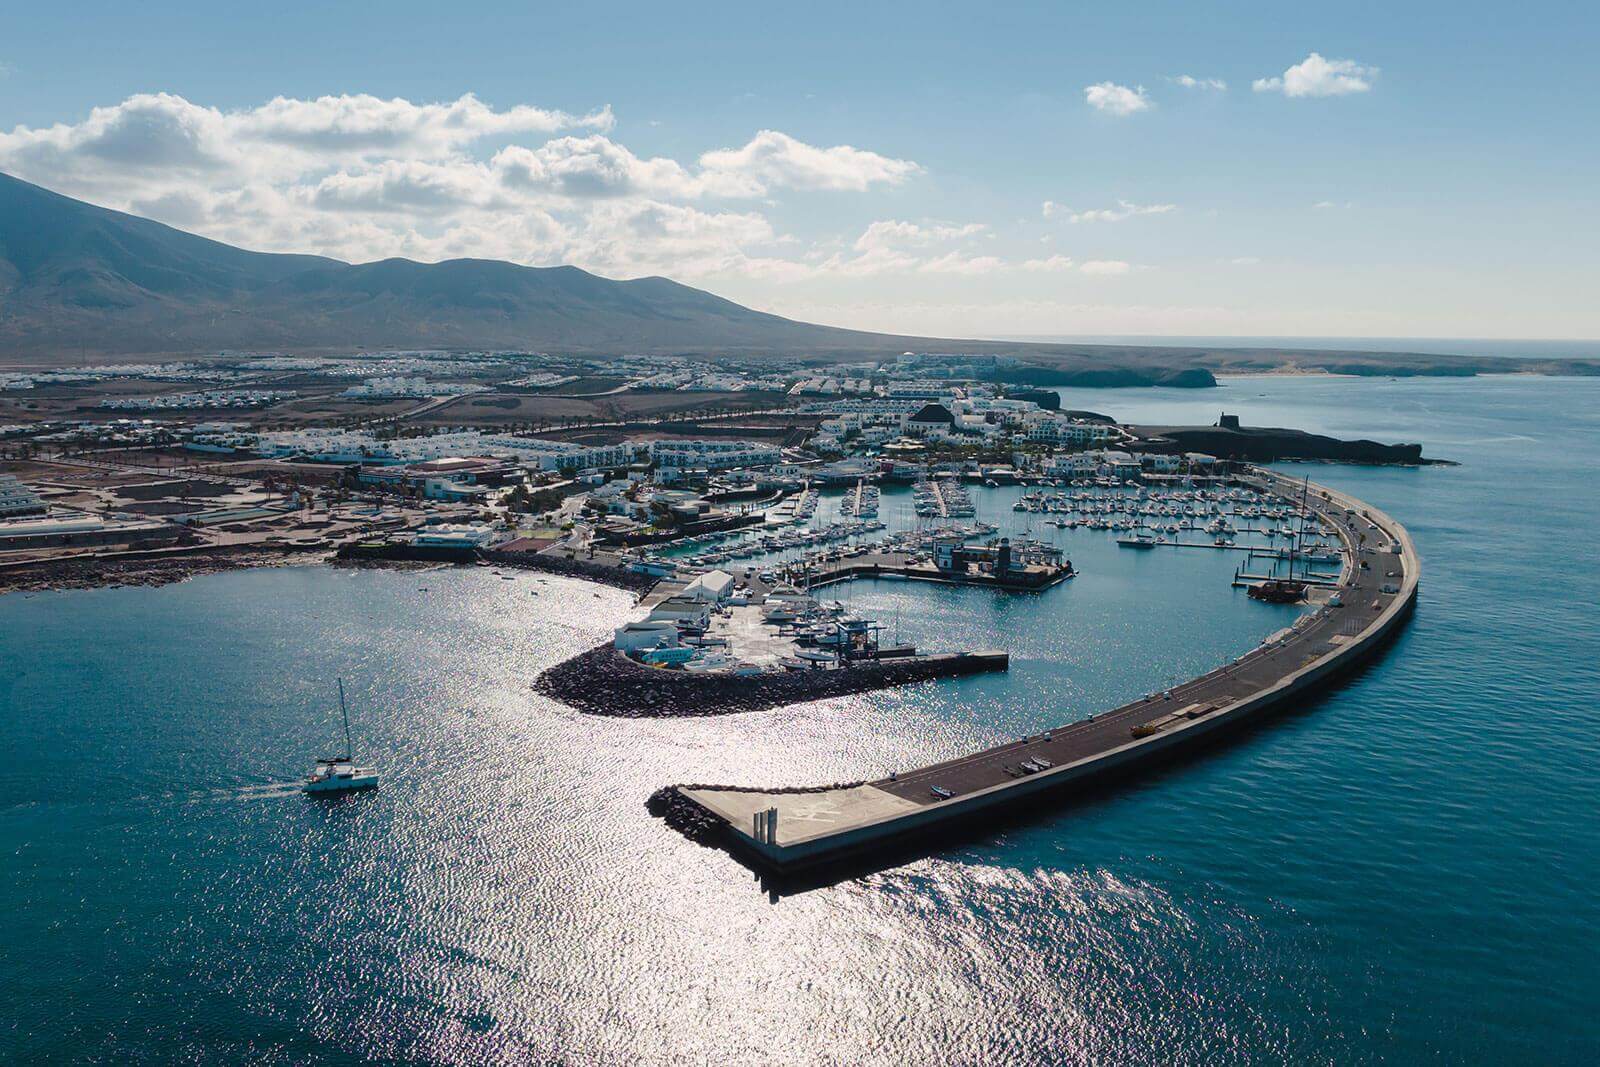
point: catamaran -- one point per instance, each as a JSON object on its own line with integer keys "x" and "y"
{"x": 339, "y": 774}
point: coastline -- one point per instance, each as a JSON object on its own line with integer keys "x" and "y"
{"x": 146, "y": 569}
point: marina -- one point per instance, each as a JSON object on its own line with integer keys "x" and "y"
{"x": 785, "y": 831}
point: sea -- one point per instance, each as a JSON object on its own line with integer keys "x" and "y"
{"x": 1401, "y": 871}
{"x": 1501, "y": 348}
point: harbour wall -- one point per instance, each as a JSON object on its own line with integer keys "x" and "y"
{"x": 603, "y": 681}
{"x": 949, "y": 816}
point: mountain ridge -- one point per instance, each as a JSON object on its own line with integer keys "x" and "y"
{"x": 78, "y": 281}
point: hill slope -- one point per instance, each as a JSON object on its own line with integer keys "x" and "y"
{"x": 75, "y": 276}
{"x": 79, "y": 282}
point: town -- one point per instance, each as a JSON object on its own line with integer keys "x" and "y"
{"x": 713, "y": 508}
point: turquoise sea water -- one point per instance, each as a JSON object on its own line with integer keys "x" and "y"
{"x": 1402, "y": 871}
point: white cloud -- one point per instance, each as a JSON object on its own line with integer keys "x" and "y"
{"x": 1316, "y": 76}
{"x": 961, "y": 263}
{"x": 895, "y": 246}
{"x": 1049, "y": 264}
{"x": 1189, "y": 81}
{"x": 1105, "y": 267}
{"x": 889, "y": 233}
{"x": 773, "y": 159}
{"x": 1123, "y": 210}
{"x": 367, "y": 124}
{"x": 359, "y": 177}
{"x": 154, "y": 135}
{"x": 597, "y": 167}
{"x": 1116, "y": 99}
{"x": 1330, "y": 205}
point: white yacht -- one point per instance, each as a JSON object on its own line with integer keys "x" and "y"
{"x": 339, "y": 774}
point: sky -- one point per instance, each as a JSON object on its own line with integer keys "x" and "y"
{"x": 1353, "y": 169}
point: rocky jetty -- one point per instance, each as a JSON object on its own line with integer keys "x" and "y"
{"x": 603, "y": 681}
{"x": 685, "y": 816}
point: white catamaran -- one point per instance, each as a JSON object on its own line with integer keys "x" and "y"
{"x": 339, "y": 774}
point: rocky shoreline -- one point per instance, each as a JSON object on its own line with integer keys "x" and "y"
{"x": 615, "y": 577}
{"x": 164, "y": 568}
{"x": 1272, "y": 444}
{"x": 91, "y": 572}
{"x": 602, "y": 681}
{"x": 675, "y": 808}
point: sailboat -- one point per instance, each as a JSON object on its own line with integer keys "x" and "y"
{"x": 339, "y": 774}
{"x": 1286, "y": 590}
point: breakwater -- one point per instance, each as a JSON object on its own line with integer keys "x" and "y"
{"x": 1378, "y": 585}
{"x": 603, "y": 681}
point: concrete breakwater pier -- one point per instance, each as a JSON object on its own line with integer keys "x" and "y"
{"x": 787, "y": 831}
{"x": 603, "y": 681}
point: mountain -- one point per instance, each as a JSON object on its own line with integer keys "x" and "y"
{"x": 84, "y": 279}
{"x": 78, "y": 282}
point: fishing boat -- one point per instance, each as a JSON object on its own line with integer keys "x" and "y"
{"x": 339, "y": 774}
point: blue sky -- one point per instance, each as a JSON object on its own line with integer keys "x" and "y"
{"x": 1427, "y": 171}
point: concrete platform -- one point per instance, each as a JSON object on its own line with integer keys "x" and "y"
{"x": 802, "y": 815}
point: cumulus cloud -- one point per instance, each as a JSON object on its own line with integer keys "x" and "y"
{"x": 899, "y": 246}
{"x": 1116, "y": 99}
{"x": 889, "y": 233}
{"x": 1317, "y": 76}
{"x": 361, "y": 177}
{"x": 957, "y": 262}
{"x": 1124, "y": 210}
{"x": 597, "y": 167}
{"x": 155, "y": 145}
{"x": 365, "y": 124}
{"x": 1189, "y": 81}
{"x": 1049, "y": 264}
{"x": 773, "y": 159}
{"x": 1063, "y": 264}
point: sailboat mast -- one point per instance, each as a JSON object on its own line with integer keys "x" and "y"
{"x": 349, "y": 749}
{"x": 1301, "y": 533}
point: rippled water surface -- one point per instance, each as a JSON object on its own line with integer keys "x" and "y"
{"x": 1402, "y": 871}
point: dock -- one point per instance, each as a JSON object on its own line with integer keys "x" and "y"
{"x": 894, "y": 565}
{"x": 603, "y": 681}
{"x": 790, "y": 830}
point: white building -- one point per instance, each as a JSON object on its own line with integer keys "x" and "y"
{"x": 350, "y": 446}
{"x": 646, "y": 634}
{"x": 682, "y": 610}
{"x": 712, "y": 587}
{"x": 18, "y": 499}
{"x": 713, "y": 455}
{"x": 469, "y": 535}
